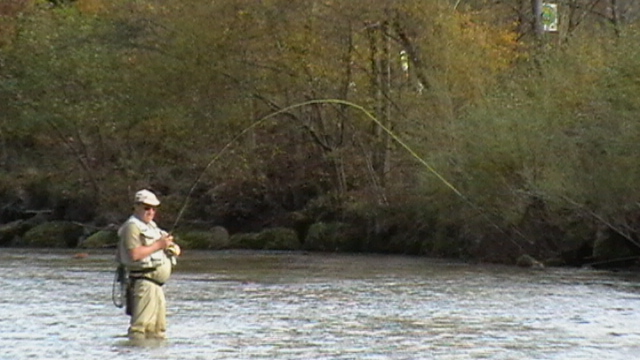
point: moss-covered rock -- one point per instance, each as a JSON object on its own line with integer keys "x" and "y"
{"x": 9, "y": 231}
{"x": 529, "y": 261}
{"x": 279, "y": 238}
{"x": 219, "y": 238}
{"x": 55, "y": 234}
{"x": 100, "y": 239}
{"x": 12, "y": 232}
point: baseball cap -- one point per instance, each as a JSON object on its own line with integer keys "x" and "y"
{"x": 146, "y": 197}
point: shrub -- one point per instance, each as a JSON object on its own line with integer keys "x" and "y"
{"x": 216, "y": 238}
{"x": 280, "y": 239}
{"x": 332, "y": 236}
{"x": 246, "y": 241}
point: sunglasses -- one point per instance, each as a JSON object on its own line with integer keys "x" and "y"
{"x": 149, "y": 207}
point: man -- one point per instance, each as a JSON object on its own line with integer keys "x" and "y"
{"x": 147, "y": 253}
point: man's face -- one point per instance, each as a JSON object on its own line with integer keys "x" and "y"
{"x": 145, "y": 212}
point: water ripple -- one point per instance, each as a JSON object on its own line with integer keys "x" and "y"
{"x": 237, "y": 305}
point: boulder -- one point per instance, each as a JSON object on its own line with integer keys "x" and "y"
{"x": 529, "y": 261}
{"x": 100, "y": 239}
{"x": 55, "y": 234}
{"x": 219, "y": 238}
{"x": 11, "y": 230}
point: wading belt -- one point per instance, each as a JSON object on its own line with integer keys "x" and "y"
{"x": 139, "y": 275}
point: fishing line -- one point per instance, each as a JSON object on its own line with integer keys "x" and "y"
{"x": 372, "y": 118}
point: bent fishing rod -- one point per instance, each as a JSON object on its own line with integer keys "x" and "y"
{"x": 370, "y": 116}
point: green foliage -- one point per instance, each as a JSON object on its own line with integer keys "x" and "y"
{"x": 216, "y": 238}
{"x": 123, "y": 95}
{"x": 251, "y": 241}
{"x": 195, "y": 239}
{"x": 331, "y": 237}
{"x": 446, "y": 242}
{"x": 564, "y": 136}
{"x": 280, "y": 239}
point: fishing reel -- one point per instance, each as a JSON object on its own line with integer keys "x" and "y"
{"x": 173, "y": 250}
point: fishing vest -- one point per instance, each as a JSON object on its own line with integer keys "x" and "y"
{"x": 149, "y": 233}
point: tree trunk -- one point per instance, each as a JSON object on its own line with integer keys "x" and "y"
{"x": 537, "y": 19}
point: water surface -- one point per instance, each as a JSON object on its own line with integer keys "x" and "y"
{"x": 253, "y": 305}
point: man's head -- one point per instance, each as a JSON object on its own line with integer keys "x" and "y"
{"x": 145, "y": 204}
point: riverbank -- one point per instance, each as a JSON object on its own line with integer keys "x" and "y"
{"x": 324, "y": 237}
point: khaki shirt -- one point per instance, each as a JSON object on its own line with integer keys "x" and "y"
{"x": 134, "y": 233}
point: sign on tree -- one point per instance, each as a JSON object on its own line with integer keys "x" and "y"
{"x": 550, "y": 17}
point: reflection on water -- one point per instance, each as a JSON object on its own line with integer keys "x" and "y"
{"x": 244, "y": 305}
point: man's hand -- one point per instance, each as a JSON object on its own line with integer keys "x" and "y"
{"x": 142, "y": 251}
{"x": 165, "y": 241}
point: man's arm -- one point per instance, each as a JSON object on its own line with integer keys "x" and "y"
{"x": 138, "y": 251}
{"x": 142, "y": 251}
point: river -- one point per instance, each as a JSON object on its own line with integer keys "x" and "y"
{"x": 257, "y": 305}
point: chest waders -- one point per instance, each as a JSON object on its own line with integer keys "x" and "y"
{"x": 124, "y": 283}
